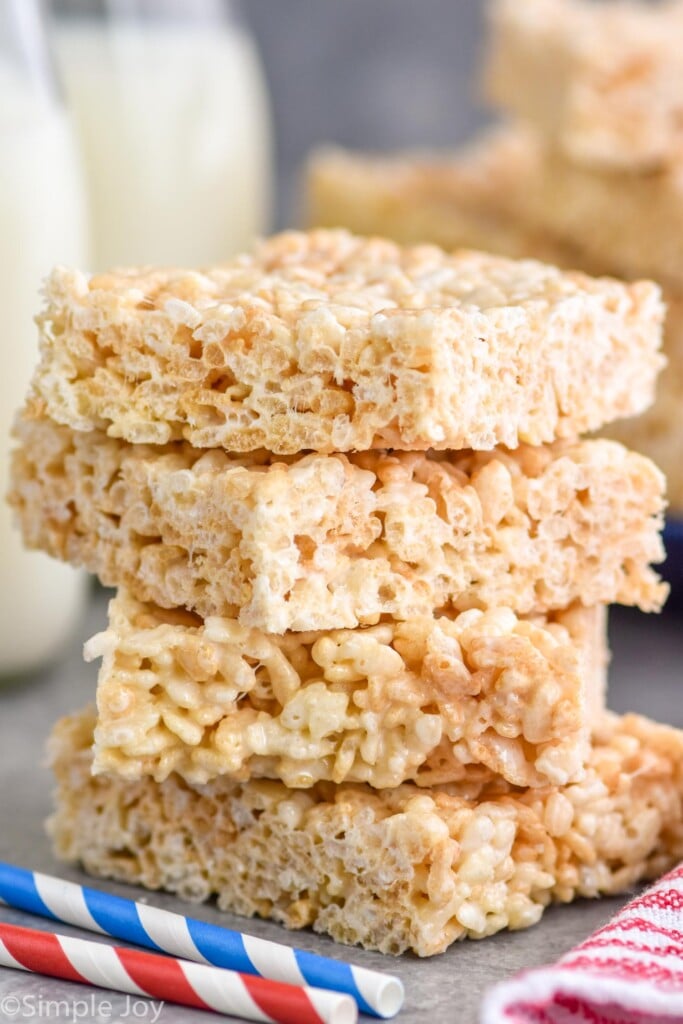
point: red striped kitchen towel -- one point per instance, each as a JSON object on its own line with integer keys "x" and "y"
{"x": 629, "y": 972}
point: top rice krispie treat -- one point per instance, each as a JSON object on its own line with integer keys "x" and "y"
{"x": 329, "y": 342}
{"x": 603, "y": 81}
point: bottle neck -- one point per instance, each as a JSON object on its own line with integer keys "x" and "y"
{"x": 24, "y": 48}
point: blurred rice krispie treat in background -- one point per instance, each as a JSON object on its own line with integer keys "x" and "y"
{"x": 602, "y": 82}
{"x": 461, "y": 199}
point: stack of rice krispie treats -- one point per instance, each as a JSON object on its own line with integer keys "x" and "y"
{"x": 354, "y": 672}
{"x": 588, "y": 173}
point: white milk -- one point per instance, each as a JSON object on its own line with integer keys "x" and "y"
{"x": 175, "y": 131}
{"x": 41, "y": 223}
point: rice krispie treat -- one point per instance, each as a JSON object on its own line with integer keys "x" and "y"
{"x": 336, "y": 541}
{"x": 455, "y": 200}
{"x": 602, "y": 81}
{"x": 480, "y": 196}
{"x": 530, "y": 200}
{"x": 431, "y": 699}
{"x": 329, "y": 342}
{"x": 631, "y": 223}
{"x": 394, "y": 869}
{"x": 658, "y": 432}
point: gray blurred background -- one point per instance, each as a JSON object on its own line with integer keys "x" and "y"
{"x": 372, "y": 74}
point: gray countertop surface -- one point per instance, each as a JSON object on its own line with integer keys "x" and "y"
{"x": 645, "y": 677}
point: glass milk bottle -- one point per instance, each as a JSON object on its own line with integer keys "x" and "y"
{"x": 42, "y": 222}
{"x": 173, "y": 120}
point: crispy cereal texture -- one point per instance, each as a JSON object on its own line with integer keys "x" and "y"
{"x": 336, "y": 541}
{"x": 478, "y": 197}
{"x": 394, "y": 869}
{"x": 602, "y": 81}
{"x": 329, "y": 342}
{"x": 429, "y": 700}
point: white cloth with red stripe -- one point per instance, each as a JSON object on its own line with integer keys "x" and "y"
{"x": 629, "y": 972}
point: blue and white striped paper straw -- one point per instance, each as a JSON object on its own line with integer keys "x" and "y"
{"x": 163, "y": 931}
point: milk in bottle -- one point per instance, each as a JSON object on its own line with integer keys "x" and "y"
{"x": 42, "y": 222}
{"x": 172, "y": 114}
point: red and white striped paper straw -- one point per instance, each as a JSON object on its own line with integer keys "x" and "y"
{"x": 171, "y": 980}
{"x": 162, "y": 931}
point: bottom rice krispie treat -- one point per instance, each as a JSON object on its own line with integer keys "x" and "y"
{"x": 400, "y": 869}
